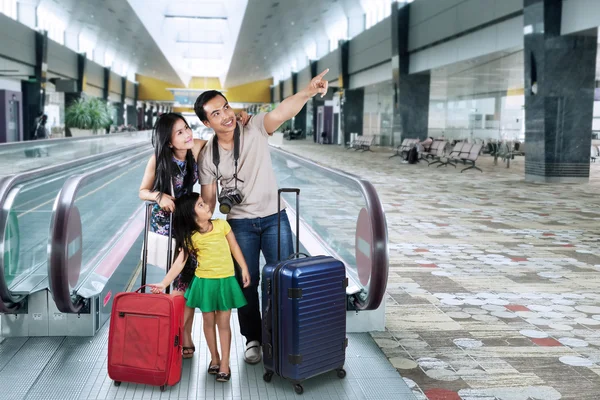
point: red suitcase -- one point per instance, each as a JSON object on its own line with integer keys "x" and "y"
{"x": 145, "y": 341}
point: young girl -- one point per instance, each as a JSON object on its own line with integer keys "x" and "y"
{"x": 214, "y": 288}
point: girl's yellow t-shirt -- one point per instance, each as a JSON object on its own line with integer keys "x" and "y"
{"x": 213, "y": 252}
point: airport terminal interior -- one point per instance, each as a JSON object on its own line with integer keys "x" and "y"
{"x": 451, "y": 166}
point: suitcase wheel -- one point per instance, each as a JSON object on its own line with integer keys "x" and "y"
{"x": 267, "y": 376}
{"x": 117, "y": 383}
{"x": 341, "y": 373}
{"x": 298, "y": 388}
{"x": 163, "y": 388}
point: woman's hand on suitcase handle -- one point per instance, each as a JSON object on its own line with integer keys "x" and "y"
{"x": 157, "y": 287}
{"x": 167, "y": 202}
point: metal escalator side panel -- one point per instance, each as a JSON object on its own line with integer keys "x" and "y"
{"x": 379, "y": 249}
{"x": 68, "y": 267}
{"x": 375, "y": 248}
{"x": 58, "y": 246}
{"x": 9, "y": 303}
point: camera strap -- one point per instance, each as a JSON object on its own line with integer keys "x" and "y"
{"x": 236, "y": 153}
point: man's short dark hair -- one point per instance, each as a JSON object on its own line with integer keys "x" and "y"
{"x": 202, "y": 100}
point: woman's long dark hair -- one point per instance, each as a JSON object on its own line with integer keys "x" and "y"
{"x": 184, "y": 226}
{"x": 166, "y": 168}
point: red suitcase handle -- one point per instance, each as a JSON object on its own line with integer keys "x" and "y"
{"x": 141, "y": 287}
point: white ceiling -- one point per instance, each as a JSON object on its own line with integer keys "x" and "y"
{"x": 113, "y": 26}
{"x": 196, "y": 36}
{"x": 238, "y": 41}
{"x": 242, "y": 41}
{"x": 278, "y": 34}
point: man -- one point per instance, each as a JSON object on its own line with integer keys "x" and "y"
{"x": 254, "y": 220}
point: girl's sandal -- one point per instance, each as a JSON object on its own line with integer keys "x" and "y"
{"x": 214, "y": 369}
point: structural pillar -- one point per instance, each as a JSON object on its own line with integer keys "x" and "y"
{"x": 352, "y": 100}
{"x": 316, "y": 100}
{"x": 71, "y": 97}
{"x": 149, "y": 113}
{"x": 281, "y": 98}
{"x": 34, "y": 89}
{"x": 106, "y": 89}
{"x": 142, "y": 117}
{"x": 411, "y": 91}
{"x": 134, "y": 118}
{"x": 300, "y": 118}
{"x": 559, "y": 96}
{"x": 121, "y": 106}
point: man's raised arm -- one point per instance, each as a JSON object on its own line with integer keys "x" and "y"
{"x": 291, "y": 106}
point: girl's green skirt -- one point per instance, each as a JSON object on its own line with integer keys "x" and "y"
{"x": 220, "y": 294}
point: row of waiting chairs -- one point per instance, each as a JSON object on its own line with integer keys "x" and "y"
{"x": 462, "y": 151}
{"x": 404, "y": 147}
{"x": 363, "y": 142}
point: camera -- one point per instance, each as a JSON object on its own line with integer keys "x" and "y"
{"x": 228, "y": 198}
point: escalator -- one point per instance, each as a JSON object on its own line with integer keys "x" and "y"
{"x": 95, "y": 238}
{"x": 27, "y": 199}
{"x": 19, "y": 157}
{"x": 93, "y": 252}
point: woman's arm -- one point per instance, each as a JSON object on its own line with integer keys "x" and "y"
{"x": 175, "y": 270}
{"x": 147, "y": 194}
{"x": 239, "y": 257}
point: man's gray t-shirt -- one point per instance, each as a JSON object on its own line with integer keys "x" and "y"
{"x": 259, "y": 186}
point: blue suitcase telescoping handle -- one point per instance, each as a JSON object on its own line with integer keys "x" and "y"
{"x": 288, "y": 190}
{"x": 268, "y": 318}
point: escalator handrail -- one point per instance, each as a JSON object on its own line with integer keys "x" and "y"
{"x": 26, "y": 145}
{"x": 58, "y": 277}
{"x": 380, "y": 254}
{"x": 9, "y": 302}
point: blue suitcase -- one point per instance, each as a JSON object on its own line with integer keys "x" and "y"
{"x": 304, "y": 315}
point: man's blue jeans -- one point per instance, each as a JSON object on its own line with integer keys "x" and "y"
{"x": 256, "y": 235}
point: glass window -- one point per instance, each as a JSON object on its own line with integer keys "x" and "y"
{"x": 48, "y": 21}
{"x": 311, "y": 50}
{"x": 86, "y": 45}
{"x": 9, "y": 8}
{"x": 336, "y": 32}
{"x": 109, "y": 59}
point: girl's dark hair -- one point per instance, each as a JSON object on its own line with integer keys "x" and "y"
{"x": 166, "y": 167}
{"x": 184, "y": 226}
{"x": 184, "y": 221}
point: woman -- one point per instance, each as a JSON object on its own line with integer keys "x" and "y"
{"x": 174, "y": 164}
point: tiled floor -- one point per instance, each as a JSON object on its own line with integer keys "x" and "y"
{"x": 58, "y": 368}
{"x": 493, "y": 285}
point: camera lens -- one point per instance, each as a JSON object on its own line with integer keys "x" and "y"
{"x": 225, "y": 206}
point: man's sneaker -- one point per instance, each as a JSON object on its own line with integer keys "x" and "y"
{"x": 252, "y": 354}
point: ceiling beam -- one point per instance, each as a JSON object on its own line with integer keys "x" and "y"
{"x": 199, "y": 17}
